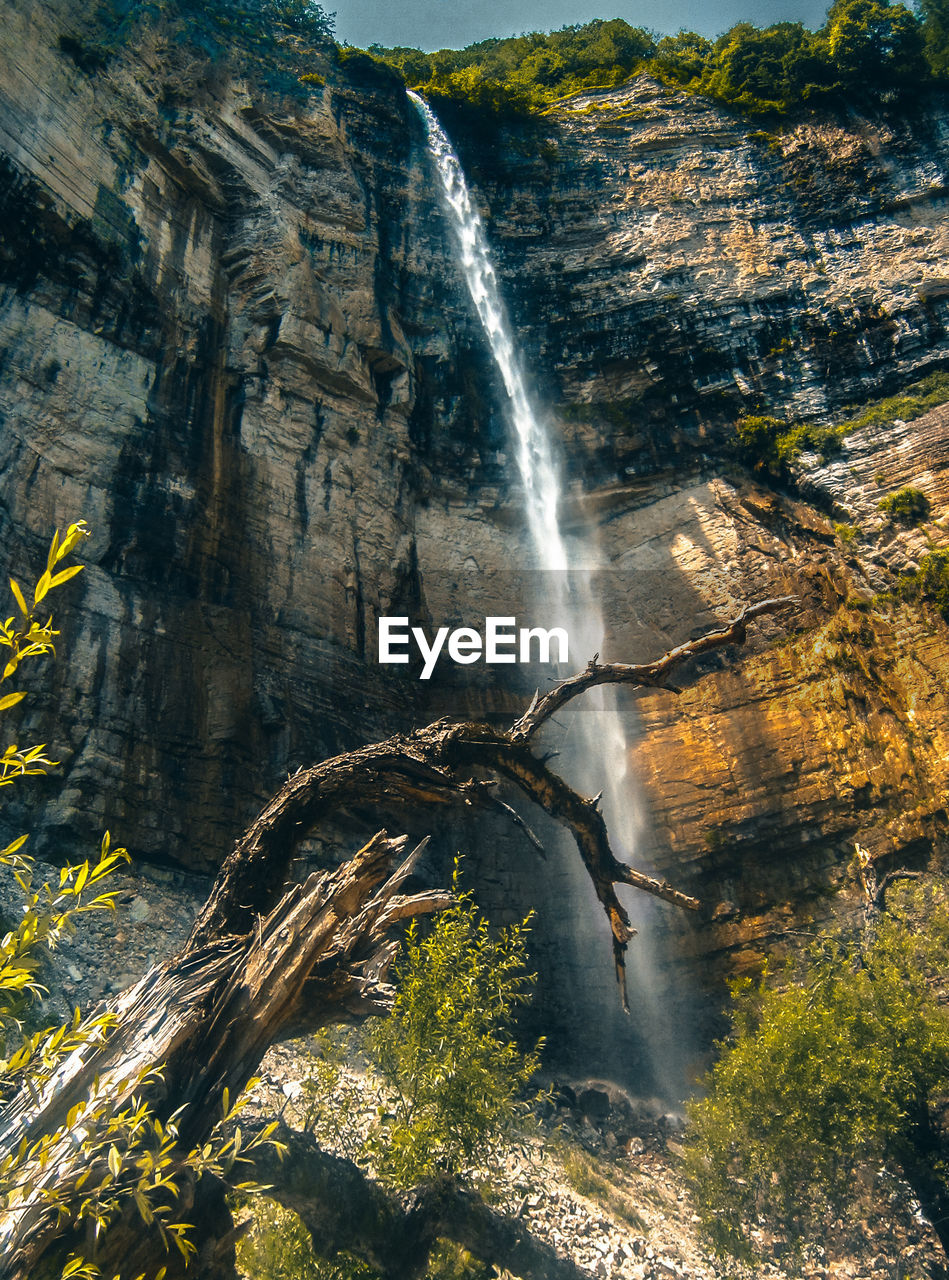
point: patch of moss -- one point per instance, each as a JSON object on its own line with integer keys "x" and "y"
{"x": 913, "y": 401}
{"x": 905, "y": 506}
{"x": 930, "y": 582}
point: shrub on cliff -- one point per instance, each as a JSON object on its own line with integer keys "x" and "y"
{"x": 771, "y": 444}
{"x": 830, "y": 1076}
{"x": 451, "y": 1086}
{"x": 906, "y": 506}
{"x": 930, "y": 582}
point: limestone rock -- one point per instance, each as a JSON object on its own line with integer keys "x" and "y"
{"x": 234, "y": 339}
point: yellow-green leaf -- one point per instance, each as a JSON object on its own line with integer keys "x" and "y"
{"x": 42, "y": 587}
{"x": 65, "y": 574}
{"x": 18, "y": 596}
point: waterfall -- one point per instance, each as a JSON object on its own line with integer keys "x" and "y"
{"x": 595, "y": 752}
{"x": 535, "y": 456}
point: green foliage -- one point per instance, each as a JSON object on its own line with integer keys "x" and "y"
{"x": 907, "y": 505}
{"x": 764, "y": 70}
{"x": 681, "y": 59}
{"x": 828, "y": 1074}
{"x": 867, "y": 50}
{"x": 935, "y": 15}
{"x": 130, "y": 1155}
{"x": 875, "y": 42}
{"x": 914, "y": 400}
{"x": 930, "y": 582}
{"x": 530, "y": 71}
{"x": 452, "y": 1080}
{"x": 771, "y": 444}
{"x": 277, "y": 1246}
{"x": 847, "y": 533}
{"x": 47, "y": 913}
{"x": 453, "y": 1070}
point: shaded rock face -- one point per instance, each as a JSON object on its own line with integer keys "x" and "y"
{"x": 233, "y": 339}
{"x": 203, "y": 355}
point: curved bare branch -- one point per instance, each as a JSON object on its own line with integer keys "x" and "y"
{"x": 645, "y": 675}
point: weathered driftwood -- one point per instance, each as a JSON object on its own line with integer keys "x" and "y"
{"x": 206, "y": 1017}
{"x": 265, "y": 959}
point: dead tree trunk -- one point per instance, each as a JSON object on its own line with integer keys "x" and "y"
{"x": 265, "y": 959}
{"x": 205, "y": 1018}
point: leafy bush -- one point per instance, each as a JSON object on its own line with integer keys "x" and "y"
{"x": 930, "y": 582}
{"x": 277, "y": 1246}
{"x": 771, "y": 444}
{"x": 847, "y": 533}
{"x": 907, "y": 505}
{"x": 454, "y": 1072}
{"x": 827, "y": 1076}
{"x": 451, "y": 1084}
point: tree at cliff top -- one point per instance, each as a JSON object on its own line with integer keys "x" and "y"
{"x": 453, "y": 1071}
{"x": 868, "y": 51}
{"x": 936, "y": 33}
{"x": 270, "y": 957}
{"x": 833, "y": 1079}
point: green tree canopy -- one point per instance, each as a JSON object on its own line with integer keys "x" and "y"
{"x": 874, "y": 43}
{"x": 838, "y": 1068}
{"x": 868, "y": 50}
{"x": 935, "y": 21}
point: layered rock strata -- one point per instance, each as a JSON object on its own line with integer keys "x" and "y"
{"x": 232, "y": 338}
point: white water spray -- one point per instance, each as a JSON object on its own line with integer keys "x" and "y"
{"x": 535, "y": 457}
{"x": 598, "y": 754}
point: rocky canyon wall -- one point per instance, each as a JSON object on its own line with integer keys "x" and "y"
{"x": 233, "y": 339}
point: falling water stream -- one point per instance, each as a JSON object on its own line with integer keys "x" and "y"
{"x": 595, "y": 754}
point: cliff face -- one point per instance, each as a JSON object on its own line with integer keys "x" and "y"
{"x": 672, "y": 264}
{"x": 232, "y": 338}
{"x": 204, "y": 356}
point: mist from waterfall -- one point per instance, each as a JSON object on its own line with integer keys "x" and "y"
{"x": 594, "y": 751}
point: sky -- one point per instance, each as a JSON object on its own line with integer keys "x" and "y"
{"x": 452, "y": 24}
